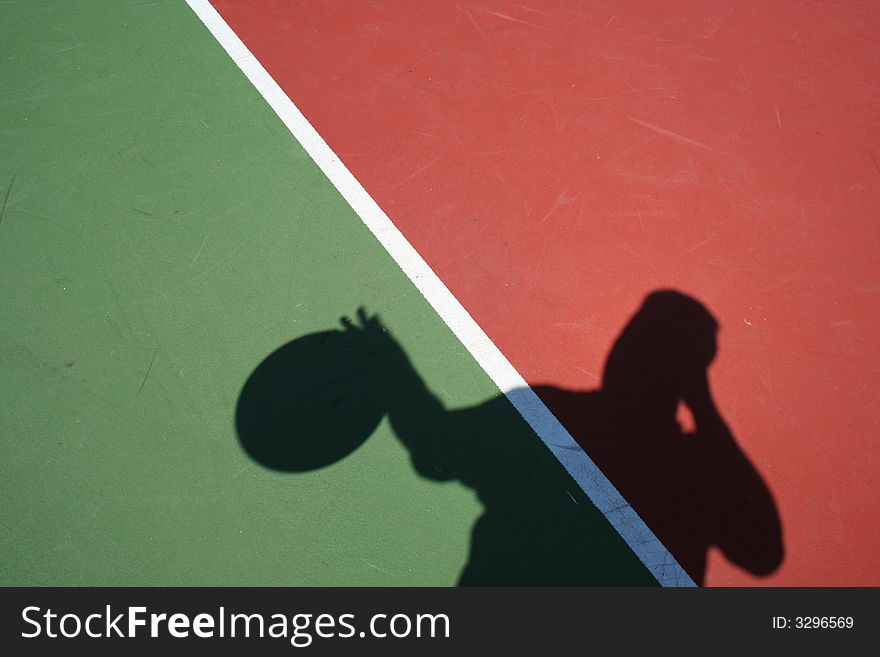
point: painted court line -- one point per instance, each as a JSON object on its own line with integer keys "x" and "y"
{"x": 641, "y": 540}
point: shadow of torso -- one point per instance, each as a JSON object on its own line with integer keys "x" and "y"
{"x": 539, "y": 528}
{"x": 693, "y": 490}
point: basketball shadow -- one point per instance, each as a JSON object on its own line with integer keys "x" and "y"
{"x": 318, "y": 398}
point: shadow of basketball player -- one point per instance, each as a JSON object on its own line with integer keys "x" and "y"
{"x": 319, "y": 397}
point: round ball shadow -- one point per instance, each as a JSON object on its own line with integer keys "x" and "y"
{"x": 310, "y": 403}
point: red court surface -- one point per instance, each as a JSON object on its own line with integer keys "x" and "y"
{"x": 556, "y": 162}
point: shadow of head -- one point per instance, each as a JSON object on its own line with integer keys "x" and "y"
{"x": 662, "y": 354}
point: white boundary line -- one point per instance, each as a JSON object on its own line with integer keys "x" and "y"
{"x": 581, "y": 467}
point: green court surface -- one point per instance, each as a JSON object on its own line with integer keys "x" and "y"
{"x": 161, "y": 233}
